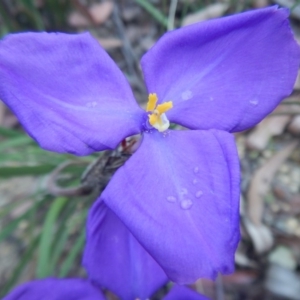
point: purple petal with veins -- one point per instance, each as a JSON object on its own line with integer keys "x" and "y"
{"x": 115, "y": 260}
{"x": 56, "y": 289}
{"x": 227, "y": 73}
{"x": 67, "y": 92}
{"x": 191, "y": 230}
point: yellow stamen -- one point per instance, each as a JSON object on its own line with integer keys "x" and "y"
{"x": 157, "y": 117}
{"x": 162, "y": 108}
{"x": 152, "y": 99}
{"x": 153, "y": 118}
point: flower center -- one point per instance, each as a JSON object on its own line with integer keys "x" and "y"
{"x": 157, "y": 116}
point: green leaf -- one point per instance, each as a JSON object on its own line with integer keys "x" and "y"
{"x": 16, "y": 142}
{"x": 76, "y": 249}
{"x": 47, "y": 235}
{"x": 7, "y": 132}
{"x": 7, "y": 172}
{"x": 58, "y": 248}
{"x": 58, "y": 10}
{"x": 34, "y": 14}
{"x": 153, "y": 11}
{"x": 297, "y": 2}
{"x": 62, "y": 235}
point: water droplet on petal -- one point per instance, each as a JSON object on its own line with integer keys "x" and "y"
{"x": 199, "y": 194}
{"x": 195, "y": 181}
{"x": 186, "y": 95}
{"x": 186, "y": 204}
{"x": 211, "y": 98}
{"x": 196, "y": 170}
{"x": 253, "y": 102}
{"x": 171, "y": 199}
{"x": 165, "y": 133}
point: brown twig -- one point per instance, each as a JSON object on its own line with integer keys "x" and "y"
{"x": 94, "y": 178}
{"x": 56, "y": 190}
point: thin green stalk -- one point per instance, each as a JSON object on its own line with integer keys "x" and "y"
{"x": 76, "y": 249}
{"x": 153, "y": 11}
{"x": 47, "y": 235}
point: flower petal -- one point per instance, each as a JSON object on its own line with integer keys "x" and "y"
{"x": 115, "y": 260}
{"x": 67, "y": 92}
{"x": 180, "y": 292}
{"x": 226, "y": 73}
{"x": 179, "y": 196}
{"x": 56, "y": 289}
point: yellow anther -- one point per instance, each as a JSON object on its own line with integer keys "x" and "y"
{"x": 152, "y": 99}
{"x": 157, "y": 117}
{"x": 153, "y": 118}
{"x": 162, "y": 108}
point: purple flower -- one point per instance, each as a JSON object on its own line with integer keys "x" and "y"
{"x": 115, "y": 259}
{"x": 78, "y": 289}
{"x": 180, "y": 292}
{"x": 56, "y": 289}
{"x": 121, "y": 265}
{"x": 179, "y": 193}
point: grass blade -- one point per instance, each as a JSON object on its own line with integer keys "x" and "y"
{"x": 153, "y": 11}
{"x": 16, "y": 142}
{"x": 62, "y": 235}
{"x": 7, "y": 132}
{"x": 7, "y": 172}
{"x": 77, "y": 248}
{"x": 34, "y": 14}
{"x": 43, "y": 264}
